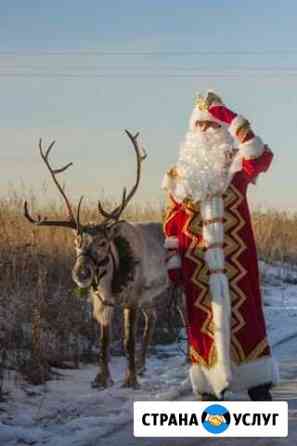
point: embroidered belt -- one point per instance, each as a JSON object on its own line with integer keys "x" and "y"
{"x": 217, "y": 271}
{"x": 214, "y": 220}
{"x": 214, "y": 245}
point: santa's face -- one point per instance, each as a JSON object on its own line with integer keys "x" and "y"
{"x": 205, "y": 125}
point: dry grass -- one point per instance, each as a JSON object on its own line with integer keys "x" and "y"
{"x": 276, "y": 236}
{"x": 29, "y": 254}
{"x": 35, "y": 265}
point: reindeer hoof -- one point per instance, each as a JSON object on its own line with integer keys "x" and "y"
{"x": 131, "y": 381}
{"x": 140, "y": 366}
{"x": 140, "y": 369}
{"x": 102, "y": 382}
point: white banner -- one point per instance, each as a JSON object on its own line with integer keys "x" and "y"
{"x": 210, "y": 419}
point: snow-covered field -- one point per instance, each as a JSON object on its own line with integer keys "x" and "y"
{"x": 67, "y": 411}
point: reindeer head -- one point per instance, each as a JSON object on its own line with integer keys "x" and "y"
{"x": 93, "y": 248}
{"x": 93, "y": 243}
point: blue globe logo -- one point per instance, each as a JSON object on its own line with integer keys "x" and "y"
{"x": 216, "y": 419}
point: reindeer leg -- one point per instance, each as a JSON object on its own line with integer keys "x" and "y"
{"x": 149, "y": 319}
{"x": 103, "y": 378}
{"x": 130, "y": 319}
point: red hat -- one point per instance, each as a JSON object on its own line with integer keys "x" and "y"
{"x": 212, "y": 108}
{"x": 224, "y": 115}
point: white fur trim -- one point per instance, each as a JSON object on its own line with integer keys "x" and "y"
{"x": 180, "y": 191}
{"x": 215, "y": 258}
{"x": 217, "y": 378}
{"x": 171, "y": 242}
{"x": 254, "y": 373}
{"x": 166, "y": 183}
{"x": 236, "y": 165}
{"x": 212, "y": 209}
{"x": 211, "y": 380}
{"x": 245, "y": 376}
{"x": 236, "y": 123}
{"x": 174, "y": 262}
{"x": 173, "y": 187}
{"x": 252, "y": 148}
{"x": 214, "y": 103}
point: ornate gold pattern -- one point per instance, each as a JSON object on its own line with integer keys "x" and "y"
{"x": 169, "y": 214}
{"x": 190, "y": 204}
{"x": 252, "y": 157}
{"x": 245, "y": 126}
{"x": 173, "y": 172}
{"x": 193, "y": 230}
{"x": 234, "y": 246}
{"x": 201, "y": 103}
{"x": 204, "y": 103}
{"x": 258, "y": 350}
{"x": 212, "y": 360}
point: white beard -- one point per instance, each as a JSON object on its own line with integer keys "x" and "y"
{"x": 202, "y": 166}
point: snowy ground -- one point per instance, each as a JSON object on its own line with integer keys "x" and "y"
{"x": 67, "y": 411}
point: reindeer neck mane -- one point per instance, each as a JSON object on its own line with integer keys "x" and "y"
{"x": 126, "y": 267}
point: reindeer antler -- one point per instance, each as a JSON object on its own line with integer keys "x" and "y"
{"x": 140, "y": 157}
{"x": 71, "y": 222}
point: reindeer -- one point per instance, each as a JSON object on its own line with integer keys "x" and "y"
{"x": 133, "y": 279}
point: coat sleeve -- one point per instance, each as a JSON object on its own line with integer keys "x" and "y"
{"x": 255, "y": 156}
{"x": 170, "y": 228}
{"x": 169, "y": 224}
{"x": 254, "y": 166}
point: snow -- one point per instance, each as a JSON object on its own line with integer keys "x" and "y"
{"x": 67, "y": 411}
{"x": 69, "y": 408}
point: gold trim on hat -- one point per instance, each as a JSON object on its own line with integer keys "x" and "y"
{"x": 203, "y": 103}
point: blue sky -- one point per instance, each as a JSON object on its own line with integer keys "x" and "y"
{"x": 81, "y": 72}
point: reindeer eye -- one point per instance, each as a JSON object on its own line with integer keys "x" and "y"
{"x": 102, "y": 244}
